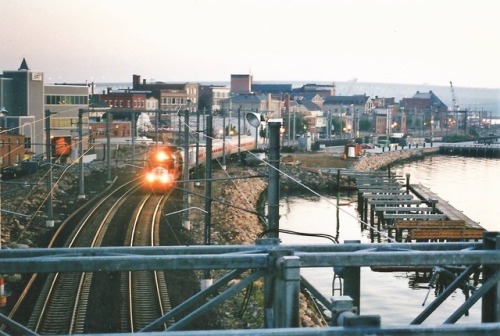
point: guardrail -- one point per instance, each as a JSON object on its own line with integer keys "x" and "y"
{"x": 279, "y": 266}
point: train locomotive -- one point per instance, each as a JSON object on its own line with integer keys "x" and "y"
{"x": 163, "y": 168}
{"x": 165, "y": 163}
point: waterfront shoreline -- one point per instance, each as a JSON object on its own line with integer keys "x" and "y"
{"x": 306, "y": 170}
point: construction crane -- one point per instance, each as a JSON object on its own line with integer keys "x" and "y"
{"x": 455, "y": 108}
{"x": 453, "y": 98}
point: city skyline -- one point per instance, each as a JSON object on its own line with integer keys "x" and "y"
{"x": 379, "y": 41}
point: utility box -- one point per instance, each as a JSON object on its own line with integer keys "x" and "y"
{"x": 305, "y": 142}
{"x": 353, "y": 150}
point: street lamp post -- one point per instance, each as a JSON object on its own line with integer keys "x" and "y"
{"x": 354, "y": 121}
{"x": 432, "y": 126}
{"x": 254, "y": 119}
{"x": 329, "y": 126}
{"x": 288, "y": 131}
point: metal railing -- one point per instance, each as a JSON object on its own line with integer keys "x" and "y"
{"x": 279, "y": 266}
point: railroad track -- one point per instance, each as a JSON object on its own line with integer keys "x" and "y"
{"x": 62, "y": 304}
{"x": 147, "y": 292}
{"x": 66, "y": 303}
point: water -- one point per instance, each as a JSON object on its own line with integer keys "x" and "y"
{"x": 469, "y": 184}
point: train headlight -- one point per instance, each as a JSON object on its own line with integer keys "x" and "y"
{"x": 165, "y": 179}
{"x": 150, "y": 177}
{"x": 161, "y": 156}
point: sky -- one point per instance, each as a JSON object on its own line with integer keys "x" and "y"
{"x": 381, "y": 41}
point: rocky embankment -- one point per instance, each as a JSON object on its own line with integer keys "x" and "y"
{"x": 301, "y": 172}
{"x": 234, "y": 226}
{"x": 24, "y": 203}
{"x": 382, "y": 160}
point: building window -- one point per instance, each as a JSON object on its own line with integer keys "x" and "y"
{"x": 63, "y": 122}
{"x": 67, "y": 100}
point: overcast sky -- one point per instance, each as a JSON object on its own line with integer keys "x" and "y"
{"x": 398, "y": 41}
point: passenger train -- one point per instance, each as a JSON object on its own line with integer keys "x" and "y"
{"x": 165, "y": 163}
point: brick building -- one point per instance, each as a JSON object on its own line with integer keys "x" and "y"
{"x": 11, "y": 149}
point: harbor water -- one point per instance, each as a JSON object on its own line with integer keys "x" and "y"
{"x": 471, "y": 185}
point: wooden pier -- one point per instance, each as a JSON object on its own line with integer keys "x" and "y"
{"x": 476, "y": 150}
{"x": 411, "y": 212}
{"x": 465, "y": 228}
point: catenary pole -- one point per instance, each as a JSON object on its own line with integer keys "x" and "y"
{"x": 207, "y": 278}
{"x": 273, "y": 169}
{"x": 50, "y": 215}
{"x": 186, "y": 223}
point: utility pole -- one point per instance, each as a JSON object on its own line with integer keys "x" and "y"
{"x": 239, "y": 136}
{"x": 273, "y": 171}
{"x": 134, "y": 135}
{"x": 224, "y": 137}
{"x": 50, "y": 215}
{"x": 108, "y": 145}
{"x": 197, "y": 145}
{"x": 207, "y": 278}
{"x": 3, "y": 113}
{"x": 81, "y": 191}
{"x": 288, "y": 131}
{"x": 186, "y": 223}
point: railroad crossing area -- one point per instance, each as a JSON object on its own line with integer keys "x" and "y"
{"x": 410, "y": 212}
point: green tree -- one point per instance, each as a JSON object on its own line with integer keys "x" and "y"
{"x": 365, "y": 125}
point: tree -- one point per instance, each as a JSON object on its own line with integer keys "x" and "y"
{"x": 365, "y": 125}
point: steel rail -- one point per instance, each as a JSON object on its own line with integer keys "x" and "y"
{"x": 51, "y": 243}
{"x": 76, "y": 288}
{"x": 147, "y": 291}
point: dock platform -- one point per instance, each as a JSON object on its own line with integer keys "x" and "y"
{"x": 442, "y": 206}
{"x": 412, "y": 209}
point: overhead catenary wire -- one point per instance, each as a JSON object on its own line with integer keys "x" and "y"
{"x": 323, "y": 197}
{"x": 47, "y": 195}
